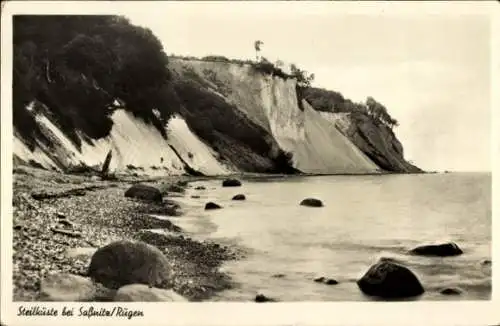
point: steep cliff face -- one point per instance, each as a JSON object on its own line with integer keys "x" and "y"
{"x": 376, "y": 140}
{"x": 271, "y": 102}
{"x": 228, "y": 118}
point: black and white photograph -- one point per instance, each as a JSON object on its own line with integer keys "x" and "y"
{"x": 245, "y": 152}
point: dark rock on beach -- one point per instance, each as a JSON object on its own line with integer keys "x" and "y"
{"x": 319, "y": 279}
{"x": 212, "y": 205}
{"x": 200, "y": 188}
{"x": 128, "y": 262}
{"x": 231, "y": 183}
{"x": 389, "y": 280}
{"x": 311, "y": 202}
{"x": 144, "y": 192}
{"x": 239, "y": 197}
{"x": 440, "y": 250}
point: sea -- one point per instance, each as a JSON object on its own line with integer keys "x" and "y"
{"x": 364, "y": 218}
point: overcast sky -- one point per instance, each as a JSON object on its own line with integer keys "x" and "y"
{"x": 432, "y": 72}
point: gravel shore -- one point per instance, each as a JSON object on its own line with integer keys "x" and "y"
{"x": 100, "y": 214}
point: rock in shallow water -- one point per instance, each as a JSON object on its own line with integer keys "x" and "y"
{"x": 327, "y": 281}
{"x": 144, "y": 192}
{"x": 212, "y": 205}
{"x": 231, "y": 183}
{"x": 262, "y": 298}
{"x": 144, "y": 293}
{"x": 451, "y": 291}
{"x": 239, "y": 197}
{"x": 389, "y": 280}
{"x": 128, "y": 262}
{"x": 67, "y": 287}
{"x": 311, "y": 202}
{"x": 440, "y": 250}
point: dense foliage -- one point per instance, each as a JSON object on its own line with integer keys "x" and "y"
{"x": 330, "y": 101}
{"x": 81, "y": 67}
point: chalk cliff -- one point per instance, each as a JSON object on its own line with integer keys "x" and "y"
{"x": 103, "y": 85}
{"x": 230, "y": 118}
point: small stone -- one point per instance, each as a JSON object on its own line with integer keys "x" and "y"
{"x": 319, "y": 279}
{"x": 239, "y": 197}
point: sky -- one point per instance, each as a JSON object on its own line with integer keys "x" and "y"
{"x": 431, "y": 70}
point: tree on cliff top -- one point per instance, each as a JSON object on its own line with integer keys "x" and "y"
{"x": 257, "y": 44}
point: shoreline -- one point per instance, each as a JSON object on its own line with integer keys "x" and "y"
{"x": 100, "y": 214}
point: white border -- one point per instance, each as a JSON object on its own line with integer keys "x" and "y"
{"x": 337, "y": 313}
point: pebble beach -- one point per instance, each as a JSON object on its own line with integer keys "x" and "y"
{"x": 47, "y": 204}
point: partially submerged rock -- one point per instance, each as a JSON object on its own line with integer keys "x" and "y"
{"x": 144, "y": 293}
{"x": 175, "y": 188}
{"x": 440, "y": 250}
{"x": 327, "y": 281}
{"x": 311, "y": 202}
{"x": 239, "y": 197}
{"x": 212, "y": 205}
{"x": 231, "y": 183}
{"x": 200, "y": 188}
{"x": 144, "y": 192}
{"x": 390, "y": 280}
{"x": 128, "y": 262}
{"x": 67, "y": 287}
{"x": 451, "y": 291}
{"x": 262, "y": 298}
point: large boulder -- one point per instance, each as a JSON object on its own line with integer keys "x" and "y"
{"x": 390, "y": 280}
{"x": 311, "y": 202}
{"x": 67, "y": 287}
{"x": 144, "y": 192}
{"x": 231, "y": 183}
{"x": 144, "y": 293}
{"x": 129, "y": 262}
{"x": 440, "y": 250}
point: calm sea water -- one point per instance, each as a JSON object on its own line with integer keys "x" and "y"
{"x": 364, "y": 218}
